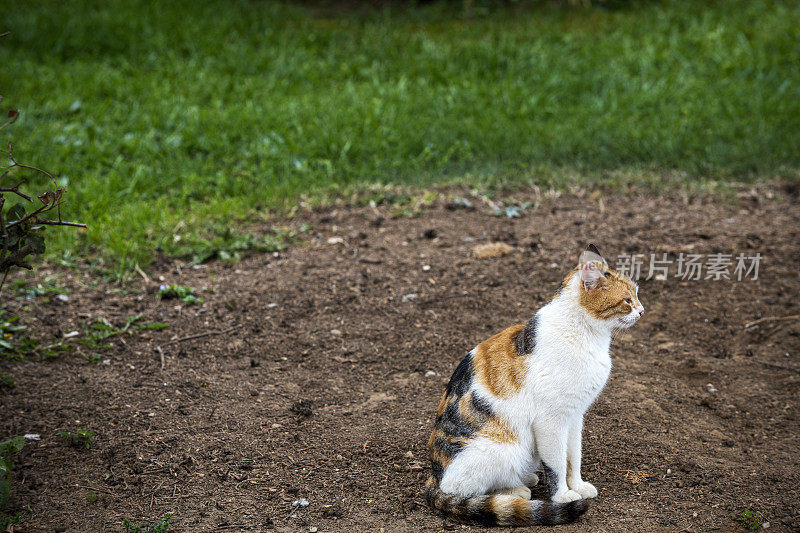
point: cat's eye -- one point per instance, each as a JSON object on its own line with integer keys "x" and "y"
{"x": 628, "y": 301}
{"x": 607, "y": 274}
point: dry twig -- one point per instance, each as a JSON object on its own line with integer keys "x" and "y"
{"x": 770, "y": 319}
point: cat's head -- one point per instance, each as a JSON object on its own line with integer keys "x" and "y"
{"x": 605, "y": 294}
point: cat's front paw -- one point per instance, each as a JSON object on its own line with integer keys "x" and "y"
{"x": 566, "y": 496}
{"x": 585, "y": 489}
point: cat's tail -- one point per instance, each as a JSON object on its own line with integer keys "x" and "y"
{"x": 502, "y": 509}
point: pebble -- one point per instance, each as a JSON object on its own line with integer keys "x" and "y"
{"x": 62, "y": 297}
{"x": 765, "y": 525}
{"x": 491, "y": 250}
{"x": 272, "y": 306}
{"x": 711, "y": 388}
{"x": 71, "y": 334}
{"x": 313, "y": 529}
{"x": 409, "y": 454}
{"x": 335, "y": 240}
{"x": 408, "y": 297}
{"x": 430, "y": 373}
{"x": 300, "y": 503}
{"x": 336, "y": 332}
{"x": 425, "y": 268}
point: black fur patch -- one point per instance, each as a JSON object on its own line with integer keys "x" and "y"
{"x": 479, "y": 512}
{"x": 550, "y": 479}
{"x": 572, "y": 510}
{"x": 481, "y": 406}
{"x": 452, "y": 424}
{"x": 526, "y": 339}
{"x": 450, "y": 449}
{"x": 437, "y": 471}
{"x": 461, "y": 378}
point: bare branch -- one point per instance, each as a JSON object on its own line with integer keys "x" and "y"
{"x": 17, "y": 164}
{"x": 13, "y": 115}
{"x": 15, "y": 189}
{"x": 59, "y": 223}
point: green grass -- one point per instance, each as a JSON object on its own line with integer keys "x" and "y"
{"x": 164, "y": 117}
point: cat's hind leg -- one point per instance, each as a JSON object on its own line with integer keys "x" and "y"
{"x": 531, "y": 477}
{"x": 485, "y": 467}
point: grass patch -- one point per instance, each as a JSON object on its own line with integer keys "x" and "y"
{"x": 161, "y": 526}
{"x": 100, "y": 329}
{"x": 81, "y": 438}
{"x": 163, "y": 117}
{"x": 751, "y": 520}
{"x": 14, "y": 341}
{"x": 224, "y": 243}
{"x": 181, "y": 292}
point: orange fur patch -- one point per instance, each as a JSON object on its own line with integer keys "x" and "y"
{"x": 498, "y": 366}
{"x": 442, "y": 404}
{"x": 498, "y": 431}
{"x": 607, "y": 298}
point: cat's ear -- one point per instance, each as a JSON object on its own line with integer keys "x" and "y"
{"x": 590, "y": 276}
{"x": 591, "y": 254}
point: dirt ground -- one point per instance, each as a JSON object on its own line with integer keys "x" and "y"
{"x": 319, "y": 373}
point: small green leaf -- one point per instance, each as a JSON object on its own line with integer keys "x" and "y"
{"x": 16, "y": 212}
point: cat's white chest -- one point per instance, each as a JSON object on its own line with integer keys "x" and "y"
{"x": 566, "y": 380}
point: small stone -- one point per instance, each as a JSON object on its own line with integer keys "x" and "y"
{"x": 62, "y": 297}
{"x": 711, "y": 388}
{"x": 313, "y": 529}
{"x": 669, "y": 470}
{"x": 425, "y": 268}
{"x": 491, "y": 250}
{"x": 335, "y": 240}
{"x": 71, "y": 334}
{"x": 300, "y": 503}
{"x": 408, "y": 297}
{"x": 272, "y": 306}
{"x": 765, "y": 525}
{"x": 336, "y": 332}
{"x": 694, "y": 515}
{"x": 409, "y": 454}
{"x": 276, "y": 426}
{"x": 430, "y": 374}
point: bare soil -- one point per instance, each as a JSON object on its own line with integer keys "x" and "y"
{"x": 320, "y": 386}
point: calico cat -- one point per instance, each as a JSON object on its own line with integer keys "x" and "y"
{"x": 516, "y": 402}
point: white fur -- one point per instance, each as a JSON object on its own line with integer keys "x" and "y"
{"x": 567, "y": 370}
